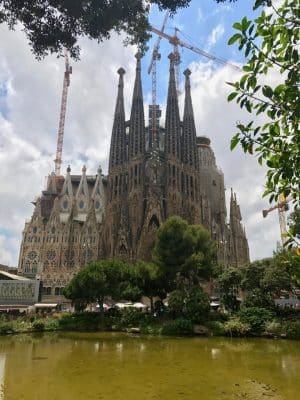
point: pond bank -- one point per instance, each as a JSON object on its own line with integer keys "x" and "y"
{"x": 146, "y": 324}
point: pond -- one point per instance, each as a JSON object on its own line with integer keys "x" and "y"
{"x": 108, "y": 366}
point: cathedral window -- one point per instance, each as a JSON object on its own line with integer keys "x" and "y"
{"x": 65, "y": 204}
{"x": 53, "y": 230}
{"x": 34, "y": 229}
{"x": 81, "y": 204}
{"x": 51, "y": 255}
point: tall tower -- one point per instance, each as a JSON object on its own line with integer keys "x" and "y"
{"x": 116, "y": 238}
{"x": 190, "y": 184}
{"x": 173, "y": 146}
{"x": 136, "y": 153}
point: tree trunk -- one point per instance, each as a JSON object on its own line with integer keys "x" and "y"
{"x": 151, "y": 305}
{"x": 101, "y": 301}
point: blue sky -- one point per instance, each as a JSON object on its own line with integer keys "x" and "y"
{"x": 204, "y": 24}
{"x": 30, "y": 93}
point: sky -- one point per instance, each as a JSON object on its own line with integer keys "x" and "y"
{"x": 30, "y": 95}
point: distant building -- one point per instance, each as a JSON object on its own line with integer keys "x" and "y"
{"x": 17, "y": 292}
{"x": 154, "y": 172}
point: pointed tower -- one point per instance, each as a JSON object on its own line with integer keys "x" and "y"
{"x": 172, "y": 141}
{"x": 82, "y": 197}
{"x": 137, "y": 121}
{"x": 66, "y": 202}
{"x": 98, "y": 197}
{"x": 189, "y": 146}
{"x": 239, "y": 251}
{"x": 136, "y": 157}
{"x": 117, "y": 154}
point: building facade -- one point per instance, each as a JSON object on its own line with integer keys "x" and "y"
{"x": 154, "y": 172}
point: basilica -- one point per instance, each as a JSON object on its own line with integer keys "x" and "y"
{"x": 154, "y": 172}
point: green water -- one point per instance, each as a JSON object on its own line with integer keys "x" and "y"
{"x": 93, "y": 366}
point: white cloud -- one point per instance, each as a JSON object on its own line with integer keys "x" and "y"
{"x": 28, "y": 132}
{"x": 215, "y": 35}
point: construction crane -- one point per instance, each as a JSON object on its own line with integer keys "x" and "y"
{"x": 152, "y": 68}
{"x": 282, "y": 207}
{"x": 175, "y": 41}
{"x": 62, "y": 116}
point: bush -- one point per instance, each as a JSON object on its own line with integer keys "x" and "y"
{"x": 180, "y": 327}
{"x": 176, "y": 301}
{"x": 256, "y": 318}
{"x": 292, "y": 330}
{"x": 6, "y": 327}
{"x": 274, "y": 327}
{"x": 38, "y": 325}
{"x": 235, "y": 327}
{"x": 51, "y": 324}
{"x": 216, "y": 328}
{"x": 80, "y": 322}
{"x": 131, "y": 317}
{"x": 197, "y": 305}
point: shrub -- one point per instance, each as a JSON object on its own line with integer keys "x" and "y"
{"x": 131, "y": 317}
{"x": 274, "y": 327}
{"x": 197, "y": 305}
{"x": 38, "y": 325}
{"x": 256, "y": 318}
{"x": 216, "y": 328}
{"x": 6, "y": 327}
{"x": 235, "y": 327}
{"x": 80, "y": 322}
{"x": 176, "y": 301}
{"x": 51, "y": 324}
{"x": 180, "y": 327}
{"x": 292, "y": 330}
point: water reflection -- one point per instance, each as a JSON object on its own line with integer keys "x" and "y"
{"x": 114, "y": 366}
{"x": 2, "y": 375}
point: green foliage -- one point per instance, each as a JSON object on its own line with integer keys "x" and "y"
{"x": 178, "y": 327}
{"x": 98, "y": 280}
{"x": 6, "y": 327}
{"x": 236, "y": 328}
{"x": 216, "y": 327}
{"x": 292, "y": 330}
{"x": 38, "y": 325}
{"x": 147, "y": 278}
{"x": 197, "y": 305}
{"x": 53, "y": 25}
{"x": 229, "y": 283}
{"x": 176, "y": 304}
{"x": 185, "y": 253}
{"x": 274, "y": 327}
{"x": 80, "y": 322}
{"x": 256, "y": 318}
{"x": 270, "y": 44}
{"x": 131, "y": 317}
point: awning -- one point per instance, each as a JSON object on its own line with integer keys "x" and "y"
{"x": 45, "y": 305}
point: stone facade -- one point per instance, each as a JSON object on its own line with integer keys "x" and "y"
{"x": 154, "y": 172}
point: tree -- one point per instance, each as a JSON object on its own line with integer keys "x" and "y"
{"x": 229, "y": 283}
{"x": 53, "y": 25}
{"x": 148, "y": 279}
{"x": 185, "y": 253}
{"x": 97, "y": 281}
{"x": 270, "y": 47}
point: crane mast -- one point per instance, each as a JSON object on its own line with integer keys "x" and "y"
{"x": 62, "y": 117}
{"x": 282, "y": 207}
{"x": 154, "y": 113}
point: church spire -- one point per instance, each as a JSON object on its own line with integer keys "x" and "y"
{"x": 172, "y": 115}
{"x": 137, "y": 120}
{"x": 189, "y": 146}
{"x": 118, "y": 139}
